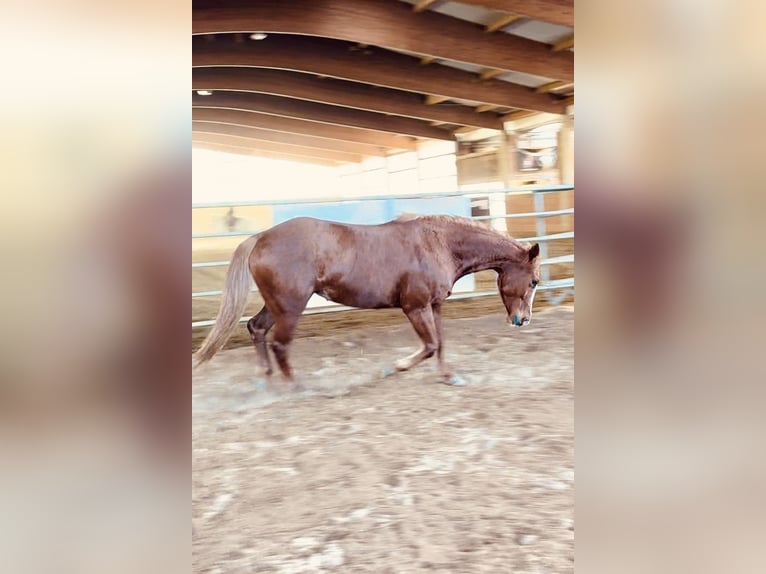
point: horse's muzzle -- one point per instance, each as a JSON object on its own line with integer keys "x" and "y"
{"x": 517, "y": 321}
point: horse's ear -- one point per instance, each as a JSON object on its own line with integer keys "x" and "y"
{"x": 534, "y": 251}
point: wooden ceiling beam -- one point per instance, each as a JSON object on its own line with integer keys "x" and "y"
{"x": 199, "y": 141}
{"x": 336, "y": 93}
{"x": 559, "y": 12}
{"x": 243, "y": 119}
{"x": 248, "y": 139}
{"x": 425, "y": 60}
{"x": 318, "y": 129}
{"x": 380, "y": 68}
{"x": 390, "y": 24}
{"x": 323, "y": 113}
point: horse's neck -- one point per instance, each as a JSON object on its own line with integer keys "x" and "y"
{"x": 476, "y": 250}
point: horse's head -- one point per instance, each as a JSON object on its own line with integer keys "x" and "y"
{"x": 517, "y": 282}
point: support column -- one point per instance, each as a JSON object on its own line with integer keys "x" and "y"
{"x": 566, "y": 151}
{"x": 506, "y": 161}
{"x": 566, "y": 166}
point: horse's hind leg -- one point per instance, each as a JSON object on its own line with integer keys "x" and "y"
{"x": 285, "y": 307}
{"x": 283, "y": 336}
{"x": 422, "y": 320}
{"x": 258, "y": 327}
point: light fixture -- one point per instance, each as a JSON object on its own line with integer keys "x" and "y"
{"x": 204, "y": 93}
{"x": 258, "y": 36}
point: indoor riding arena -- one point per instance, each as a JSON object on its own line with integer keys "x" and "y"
{"x": 364, "y": 111}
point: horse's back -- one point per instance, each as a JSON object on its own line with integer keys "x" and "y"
{"x": 317, "y": 242}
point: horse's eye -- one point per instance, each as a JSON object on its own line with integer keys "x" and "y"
{"x": 534, "y": 282}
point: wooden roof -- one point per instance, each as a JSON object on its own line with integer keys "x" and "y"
{"x": 335, "y": 81}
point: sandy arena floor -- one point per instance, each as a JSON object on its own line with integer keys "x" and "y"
{"x": 397, "y": 475}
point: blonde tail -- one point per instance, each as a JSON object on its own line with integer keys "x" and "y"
{"x": 233, "y": 301}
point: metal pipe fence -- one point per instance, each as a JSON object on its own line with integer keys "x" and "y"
{"x": 564, "y": 287}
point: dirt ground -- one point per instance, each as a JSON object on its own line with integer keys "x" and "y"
{"x": 390, "y": 475}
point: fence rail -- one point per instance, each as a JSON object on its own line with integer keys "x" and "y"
{"x": 552, "y": 213}
{"x": 347, "y": 199}
{"x": 540, "y": 214}
{"x": 550, "y": 285}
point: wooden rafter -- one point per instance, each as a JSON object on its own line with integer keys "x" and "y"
{"x": 424, "y": 5}
{"x": 300, "y": 126}
{"x": 550, "y": 86}
{"x": 242, "y": 119}
{"x": 202, "y": 141}
{"x": 334, "y": 92}
{"x": 502, "y": 22}
{"x": 382, "y": 68}
{"x": 563, "y": 44}
{"x": 243, "y": 146}
{"x": 559, "y": 12}
{"x": 390, "y": 24}
{"x": 241, "y": 133}
{"x": 464, "y": 130}
{"x": 425, "y": 60}
{"x": 489, "y": 74}
{"x": 517, "y": 115}
{"x": 323, "y": 113}
{"x": 485, "y": 108}
{"x": 432, "y": 100}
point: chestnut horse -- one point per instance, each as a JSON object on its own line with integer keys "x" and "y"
{"x": 409, "y": 263}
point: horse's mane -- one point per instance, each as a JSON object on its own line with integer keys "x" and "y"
{"x": 440, "y": 219}
{"x": 455, "y": 220}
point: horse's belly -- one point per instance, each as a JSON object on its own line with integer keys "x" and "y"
{"x": 351, "y": 298}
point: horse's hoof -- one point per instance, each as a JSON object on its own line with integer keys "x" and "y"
{"x": 455, "y": 381}
{"x": 297, "y": 387}
{"x": 388, "y": 371}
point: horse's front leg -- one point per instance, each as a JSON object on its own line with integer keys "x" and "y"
{"x": 447, "y": 374}
{"x": 422, "y": 320}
